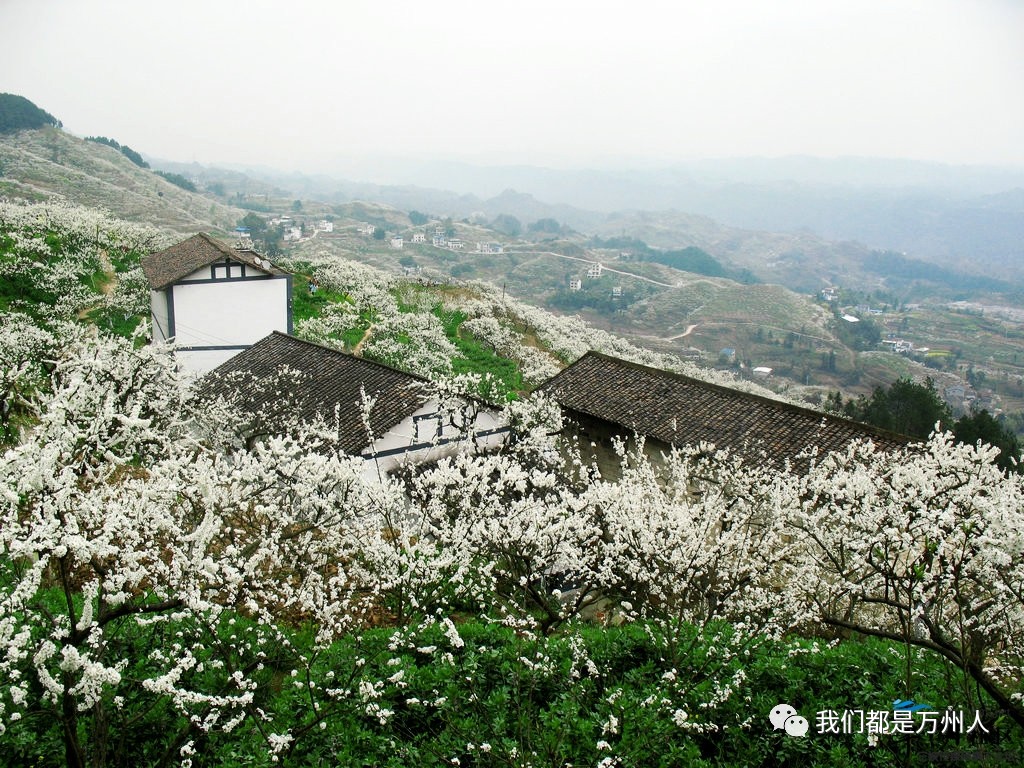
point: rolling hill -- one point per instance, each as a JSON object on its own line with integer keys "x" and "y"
{"x": 50, "y": 163}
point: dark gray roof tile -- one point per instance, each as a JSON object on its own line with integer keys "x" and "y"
{"x": 681, "y": 411}
{"x": 172, "y": 264}
{"x": 329, "y": 382}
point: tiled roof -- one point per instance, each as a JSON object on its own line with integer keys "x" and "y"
{"x": 184, "y": 258}
{"x": 329, "y": 380}
{"x": 681, "y": 411}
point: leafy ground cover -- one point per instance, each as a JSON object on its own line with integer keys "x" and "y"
{"x": 479, "y": 694}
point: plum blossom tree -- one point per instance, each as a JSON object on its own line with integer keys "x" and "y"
{"x": 140, "y": 561}
{"x": 927, "y": 550}
{"x": 700, "y": 536}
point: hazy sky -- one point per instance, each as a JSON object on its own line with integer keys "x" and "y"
{"x": 298, "y": 85}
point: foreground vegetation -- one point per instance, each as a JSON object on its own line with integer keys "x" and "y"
{"x": 483, "y": 694}
{"x": 173, "y": 592}
{"x": 169, "y": 594}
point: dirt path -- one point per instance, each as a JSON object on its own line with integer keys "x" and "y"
{"x": 109, "y": 283}
{"x": 109, "y": 272}
{"x": 359, "y": 345}
{"x": 592, "y": 261}
{"x": 687, "y": 332}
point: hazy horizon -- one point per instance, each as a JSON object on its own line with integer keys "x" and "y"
{"x": 571, "y": 84}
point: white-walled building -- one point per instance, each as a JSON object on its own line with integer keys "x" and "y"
{"x": 215, "y": 301}
{"x": 408, "y": 423}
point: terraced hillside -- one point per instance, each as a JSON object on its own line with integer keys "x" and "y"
{"x": 49, "y": 163}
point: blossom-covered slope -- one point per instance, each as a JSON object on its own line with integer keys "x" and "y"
{"x": 50, "y": 164}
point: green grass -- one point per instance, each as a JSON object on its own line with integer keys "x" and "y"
{"x": 306, "y": 305}
{"x": 475, "y": 357}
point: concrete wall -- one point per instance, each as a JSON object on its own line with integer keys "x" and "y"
{"x": 416, "y": 440}
{"x": 158, "y": 315}
{"x": 222, "y": 313}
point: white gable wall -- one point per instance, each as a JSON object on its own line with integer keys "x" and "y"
{"x": 416, "y": 439}
{"x": 158, "y": 314}
{"x": 218, "y": 310}
{"x": 221, "y": 313}
{"x": 199, "y": 361}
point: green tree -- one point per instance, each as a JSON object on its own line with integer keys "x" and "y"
{"x": 18, "y": 113}
{"x": 860, "y": 335}
{"x": 905, "y": 407}
{"x": 134, "y": 156}
{"x": 255, "y": 224}
{"x": 417, "y": 218}
{"x": 178, "y": 180}
{"x": 507, "y": 225}
{"x": 124, "y": 149}
{"x": 980, "y": 426}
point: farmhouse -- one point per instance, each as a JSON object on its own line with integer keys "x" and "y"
{"x": 605, "y": 397}
{"x": 282, "y": 380}
{"x": 215, "y": 301}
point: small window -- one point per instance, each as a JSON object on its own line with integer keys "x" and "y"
{"x": 227, "y": 270}
{"x": 428, "y": 426}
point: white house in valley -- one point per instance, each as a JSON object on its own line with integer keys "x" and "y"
{"x": 215, "y": 301}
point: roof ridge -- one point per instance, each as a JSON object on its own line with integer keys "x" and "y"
{"x": 171, "y": 264}
{"x": 771, "y": 401}
{"x": 360, "y": 358}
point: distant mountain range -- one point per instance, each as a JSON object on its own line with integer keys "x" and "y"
{"x": 910, "y": 229}
{"x": 676, "y": 279}
{"x": 968, "y": 219}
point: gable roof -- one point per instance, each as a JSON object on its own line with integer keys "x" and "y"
{"x": 201, "y": 250}
{"x": 330, "y": 382}
{"x": 680, "y": 410}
